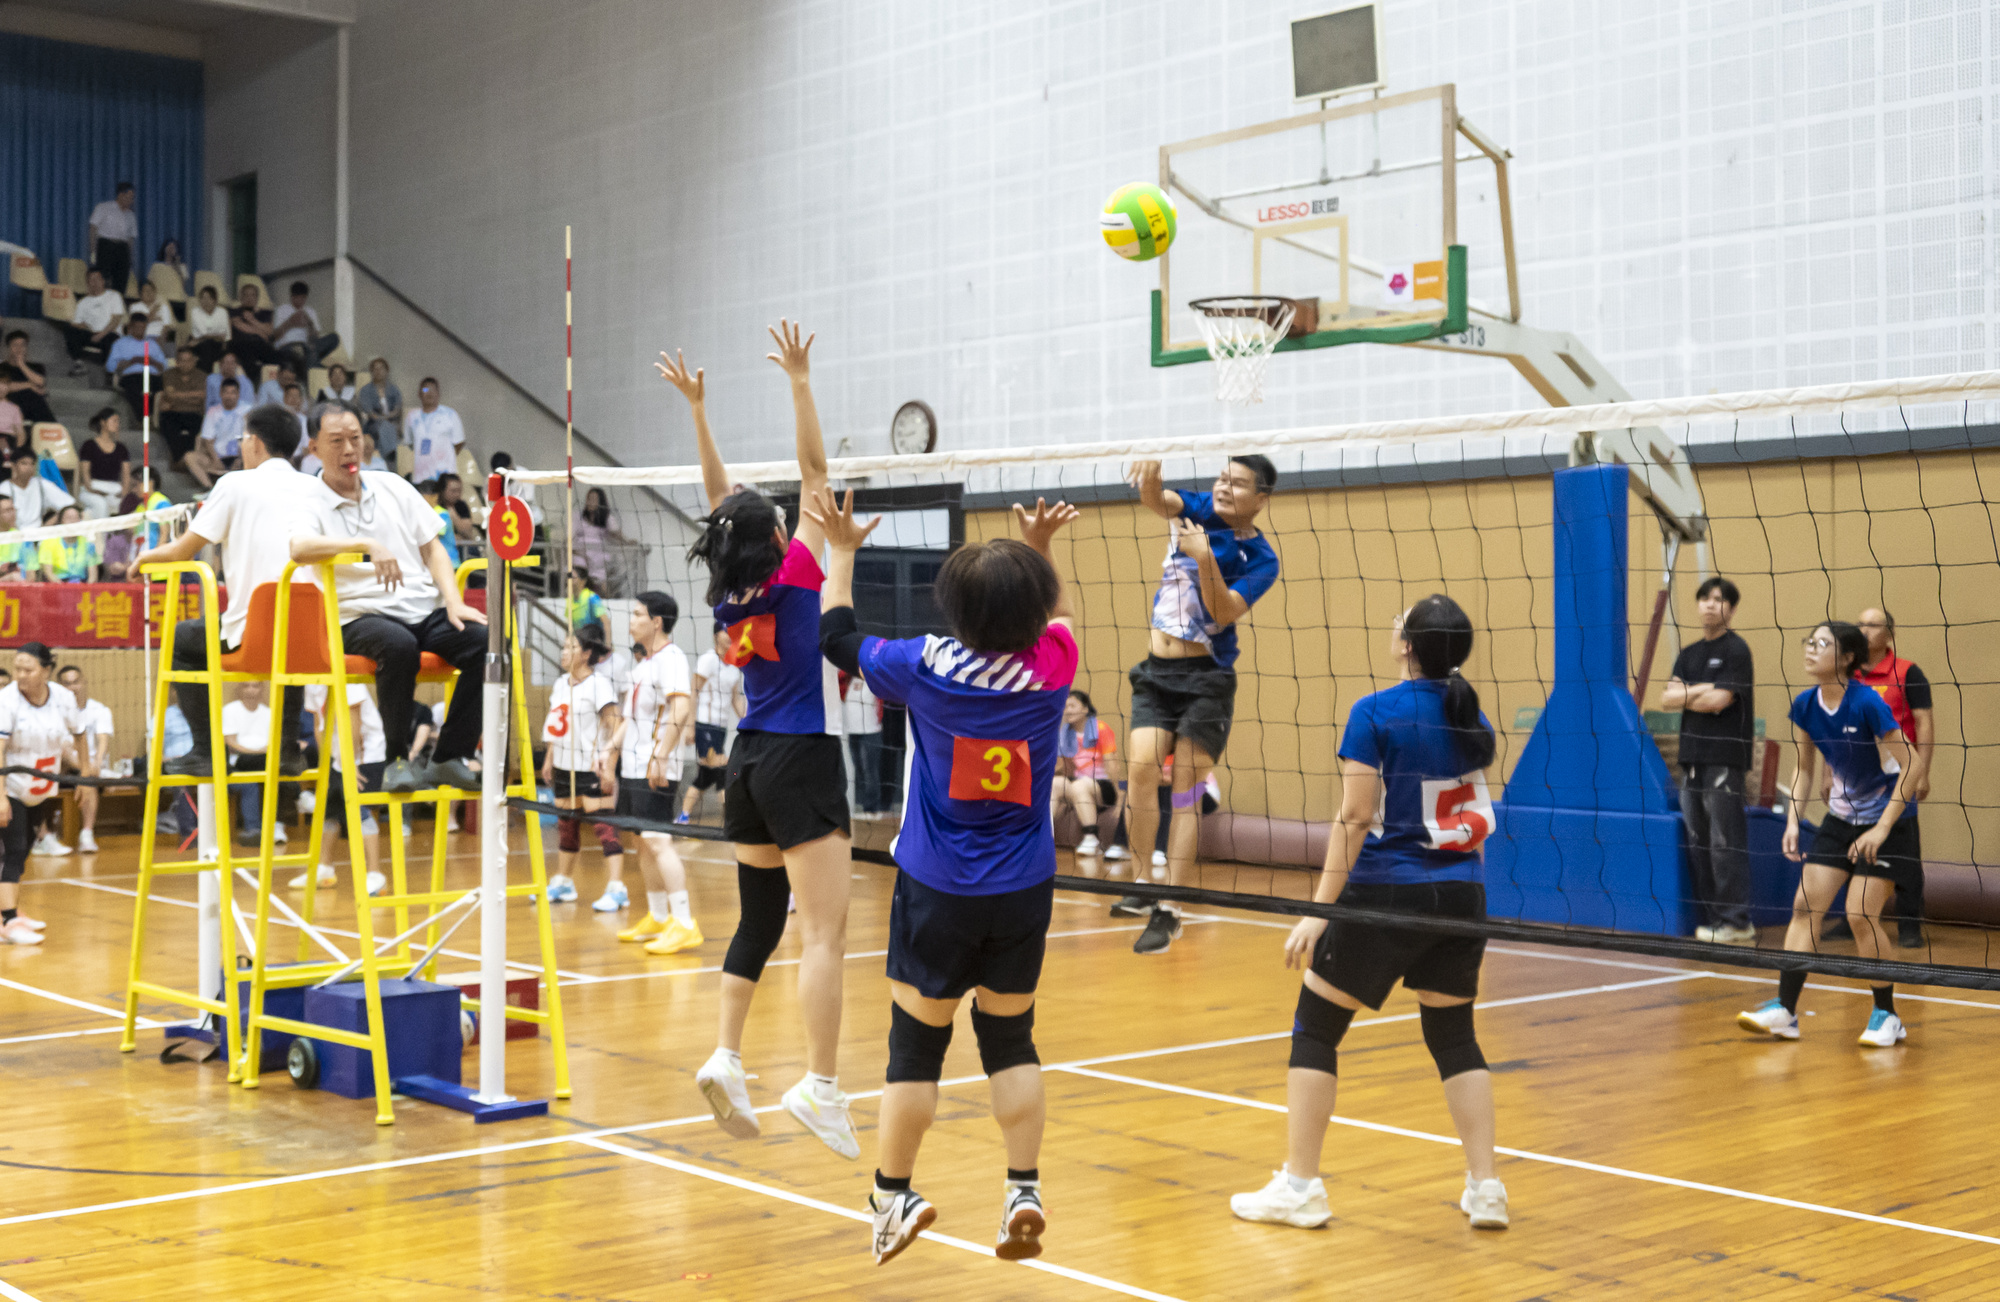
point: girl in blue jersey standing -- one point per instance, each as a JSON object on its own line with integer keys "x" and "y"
{"x": 976, "y": 856}
{"x": 1414, "y": 813}
{"x": 785, "y": 800}
{"x": 1870, "y": 831}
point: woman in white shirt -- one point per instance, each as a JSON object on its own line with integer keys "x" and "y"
{"x": 208, "y": 328}
{"x": 580, "y": 732}
{"x": 38, "y": 718}
{"x": 339, "y": 385}
{"x": 372, "y": 744}
{"x": 718, "y": 704}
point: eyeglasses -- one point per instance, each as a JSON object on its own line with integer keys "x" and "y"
{"x": 1817, "y": 644}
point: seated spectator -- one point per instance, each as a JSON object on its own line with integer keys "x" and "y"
{"x": 158, "y": 312}
{"x": 208, "y": 328}
{"x": 133, "y": 358}
{"x": 231, "y": 368}
{"x": 435, "y": 434}
{"x": 381, "y": 404}
{"x": 13, "y": 426}
{"x": 216, "y": 450}
{"x": 34, "y": 497}
{"x": 271, "y": 392}
{"x": 170, "y": 254}
{"x": 69, "y": 560}
{"x": 250, "y": 331}
{"x": 585, "y": 605}
{"x": 295, "y": 402}
{"x": 179, "y": 406}
{"x": 104, "y": 467}
{"x": 371, "y": 456}
{"x": 100, "y": 315}
{"x": 451, "y": 497}
{"x": 22, "y": 382}
{"x": 296, "y": 331}
{"x": 121, "y": 548}
{"x": 339, "y": 386}
{"x": 17, "y": 559}
{"x": 596, "y": 528}
{"x": 447, "y": 536}
{"x": 246, "y": 733}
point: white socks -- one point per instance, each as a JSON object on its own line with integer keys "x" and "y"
{"x": 678, "y": 902}
{"x": 656, "y": 904}
{"x": 825, "y": 1088}
{"x": 1298, "y": 1184}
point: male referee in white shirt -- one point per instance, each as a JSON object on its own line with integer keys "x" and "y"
{"x": 407, "y": 604}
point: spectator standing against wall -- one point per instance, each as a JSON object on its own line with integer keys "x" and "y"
{"x": 114, "y": 235}
{"x": 100, "y": 317}
{"x": 23, "y": 383}
{"x": 1907, "y": 692}
{"x": 435, "y": 434}
{"x": 296, "y": 333}
{"x": 180, "y": 405}
{"x": 133, "y": 358}
{"x": 381, "y": 404}
{"x": 1713, "y": 686}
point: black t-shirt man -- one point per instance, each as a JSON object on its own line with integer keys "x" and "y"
{"x": 1725, "y": 736}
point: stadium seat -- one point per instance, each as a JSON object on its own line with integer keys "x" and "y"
{"x": 75, "y": 273}
{"x": 168, "y": 281}
{"x": 315, "y": 381}
{"x": 209, "y": 280}
{"x": 52, "y": 440}
{"x": 58, "y": 303}
{"x": 431, "y": 667}
{"x": 406, "y": 460}
{"x": 131, "y": 290}
{"x": 27, "y": 272}
{"x": 468, "y": 467}
{"x": 340, "y": 355}
{"x": 263, "y": 294}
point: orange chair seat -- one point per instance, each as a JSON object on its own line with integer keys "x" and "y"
{"x": 307, "y": 640}
{"x": 431, "y": 667}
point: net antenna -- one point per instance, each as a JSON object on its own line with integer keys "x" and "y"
{"x": 1240, "y": 334}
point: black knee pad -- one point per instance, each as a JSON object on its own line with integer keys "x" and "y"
{"x": 1448, "y": 1035}
{"x": 607, "y": 840}
{"x": 569, "y": 835}
{"x": 1004, "y": 1041}
{"x": 762, "y": 893}
{"x": 1318, "y": 1027}
{"x": 916, "y": 1049}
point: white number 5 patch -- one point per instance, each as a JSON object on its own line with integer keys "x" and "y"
{"x": 1457, "y": 812}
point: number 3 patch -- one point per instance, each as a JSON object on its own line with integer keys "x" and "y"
{"x": 1457, "y": 812}
{"x": 989, "y": 770}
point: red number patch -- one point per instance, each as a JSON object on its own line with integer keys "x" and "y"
{"x": 754, "y": 638}
{"x": 990, "y": 770}
{"x": 559, "y": 725}
{"x": 1458, "y": 814}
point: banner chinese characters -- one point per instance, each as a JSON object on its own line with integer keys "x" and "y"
{"x": 104, "y": 615}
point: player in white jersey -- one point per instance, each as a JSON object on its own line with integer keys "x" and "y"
{"x": 718, "y": 703}
{"x": 657, "y": 709}
{"x": 37, "y": 719}
{"x": 371, "y": 744}
{"x": 97, "y": 733}
{"x": 581, "y": 727}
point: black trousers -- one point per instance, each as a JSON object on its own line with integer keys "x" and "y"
{"x": 306, "y": 356}
{"x": 16, "y": 837}
{"x": 81, "y": 344}
{"x": 180, "y": 429}
{"x": 34, "y": 406}
{"x": 191, "y": 652}
{"x": 396, "y": 649}
{"x": 208, "y": 350}
{"x": 255, "y": 352}
{"x": 114, "y": 259}
{"x": 1718, "y": 841}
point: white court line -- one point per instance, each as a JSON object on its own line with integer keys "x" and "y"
{"x": 13, "y": 1294}
{"x": 118, "y": 1013}
{"x": 70, "y": 1035}
{"x": 1574, "y": 1163}
{"x": 785, "y": 1195}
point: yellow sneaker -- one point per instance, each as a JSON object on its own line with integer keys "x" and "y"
{"x": 646, "y": 929}
{"x": 676, "y": 937}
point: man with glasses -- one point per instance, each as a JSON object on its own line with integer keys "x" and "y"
{"x": 1908, "y": 693}
{"x": 1714, "y": 686}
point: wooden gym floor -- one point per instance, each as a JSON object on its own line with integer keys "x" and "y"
{"x": 1653, "y": 1149}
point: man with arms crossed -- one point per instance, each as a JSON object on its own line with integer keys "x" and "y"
{"x": 1908, "y": 693}
{"x": 1713, "y": 686}
{"x": 406, "y": 603}
{"x": 1184, "y": 693}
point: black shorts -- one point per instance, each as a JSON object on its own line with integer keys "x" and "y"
{"x": 1366, "y": 959}
{"x": 1900, "y": 859}
{"x": 710, "y": 739}
{"x": 785, "y": 789}
{"x": 945, "y": 944}
{"x": 367, "y": 777}
{"x": 1193, "y": 698}
{"x": 572, "y": 783}
{"x": 638, "y": 800}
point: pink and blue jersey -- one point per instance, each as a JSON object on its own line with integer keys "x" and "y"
{"x": 774, "y": 639}
{"x": 1434, "y": 815}
{"x": 983, "y": 745}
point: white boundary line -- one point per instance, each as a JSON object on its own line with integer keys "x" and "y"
{"x": 13, "y": 1294}
{"x": 801, "y": 1200}
{"x": 70, "y": 1035}
{"x": 1574, "y": 1163}
{"x": 118, "y": 1013}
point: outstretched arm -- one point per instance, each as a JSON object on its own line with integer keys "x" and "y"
{"x": 1038, "y": 530}
{"x": 840, "y": 637}
{"x": 793, "y": 357}
{"x": 1154, "y": 495}
{"x": 714, "y": 475}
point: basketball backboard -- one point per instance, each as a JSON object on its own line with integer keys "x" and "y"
{"x": 1337, "y": 53}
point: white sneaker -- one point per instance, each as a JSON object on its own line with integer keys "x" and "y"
{"x": 1021, "y": 1222}
{"x": 722, "y": 1082}
{"x": 561, "y": 890}
{"x": 1884, "y": 1029}
{"x": 1117, "y": 852}
{"x": 1088, "y": 845}
{"x": 1485, "y": 1202}
{"x": 26, "y": 921}
{"x": 325, "y": 878}
{"x": 49, "y": 844}
{"x": 827, "y": 1119}
{"x": 86, "y": 841}
{"x": 791, "y": 904}
{"x": 278, "y": 836}
{"x": 1770, "y": 1018}
{"x": 1277, "y": 1203}
{"x": 1159, "y": 858}
{"x": 19, "y": 932}
{"x": 378, "y": 884}
{"x": 1734, "y": 936}
{"x": 1704, "y": 932}
{"x": 899, "y": 1218}
{"x": 305, "y": 802}
{"x": 613, "y": 899}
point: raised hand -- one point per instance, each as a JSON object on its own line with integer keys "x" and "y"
{"x": 792, "y": 356}
{"x": 837, "y": 519}
{"x": 674, "y": 370}
{"x": 1144, "y": 476}
{"x": 1039, "y": 527}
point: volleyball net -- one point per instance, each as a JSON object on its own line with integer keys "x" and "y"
{"x": 1576, "y": 540}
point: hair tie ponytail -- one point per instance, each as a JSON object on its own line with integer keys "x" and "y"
{"x": 1439, "y": 635}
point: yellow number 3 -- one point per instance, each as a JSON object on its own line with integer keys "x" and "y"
{"x": 510, "y": 529}
{"x": 998, "y": 757}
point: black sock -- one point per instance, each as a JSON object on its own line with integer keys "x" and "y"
{"x": 890, "y": 1184}
{"x": 1790, "y": 985}
{"x": 6, "y": 916}
{"x": 1032, "y": 1175}
{"x": 1885, "y": 998}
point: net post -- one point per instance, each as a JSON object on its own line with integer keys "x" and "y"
{"x": 493, "y": 850}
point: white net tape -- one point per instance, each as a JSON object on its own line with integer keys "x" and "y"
{"x": 1240, "y": 342}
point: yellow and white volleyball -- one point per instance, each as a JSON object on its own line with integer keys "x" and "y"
{"x": 1138, "y": 221}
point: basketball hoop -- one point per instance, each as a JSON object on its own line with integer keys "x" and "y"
{"x": 1240, "y": 334}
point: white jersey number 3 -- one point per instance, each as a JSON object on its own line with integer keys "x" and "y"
{"x": 1457, "y": 812}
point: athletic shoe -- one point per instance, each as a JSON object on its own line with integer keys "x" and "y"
{"x": 27, "y": 921}
{"x": 1884, "y": 1029}
{"x": 1277, "y": 1203}
{"x": 1130, "y": 906}
{"x": 1770, "y": 1018}
{"x": 677, "y": 937}
{"x": 681, "y": 820}
{"x": 278, "y": 836}
{"x": 1485, "y": 1202}
{"x": 304, "y": 803}
{"x": 86, "y": 842}
{"x": 1735, "y": 936}
{"x": 1088, "y": 845}
{"x": 1909, "y": 934}
{"x": 645, "y": 928}
{"x": 791, "y": 904}
{"x": 613, "y": 899}
{"x": 1704, "y": 932}
{"x": 827, "y": 1119}
{"x": 722, "y": 1082}
{"x": 19, "y": 933}
{"x": 1161, "y": 929}
{"x": 561, "y": 890}
{"x": 899, "y": 1218}
{"x": 194, "y": 764}
{"x": 399, "y": 779}
{"x": 48, "y": 843}
{"x": 378, "y": 884}
{"x": 1021, "y": 1223}
{"x": 1159, "y": 858}
{"x": 451, "y": 773}
{"x": 325, "y": 878}
{"x": 1117, "y": 852}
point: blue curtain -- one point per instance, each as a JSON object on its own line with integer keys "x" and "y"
{"x": 77, "y": 119}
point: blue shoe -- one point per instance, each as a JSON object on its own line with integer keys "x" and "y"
{"x": 613, "y": 899}
{"x": 561, "y": 890}
{"x": 1884, "y": 1029}
{"x": 680, "y": 820}
{"x": 1772, "y": 1019}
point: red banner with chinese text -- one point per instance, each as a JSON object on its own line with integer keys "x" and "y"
{"x": 87, "y": 614}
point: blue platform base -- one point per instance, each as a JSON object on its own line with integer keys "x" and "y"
{"x": 461, "y": 1098}
{"x": 420, "y": 1024}
{"x": 1588, "y": 868}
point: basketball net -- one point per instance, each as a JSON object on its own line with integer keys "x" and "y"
{"x": 1240, "y": 334}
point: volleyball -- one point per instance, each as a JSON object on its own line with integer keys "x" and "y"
{"x": 1138, "y": 221}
